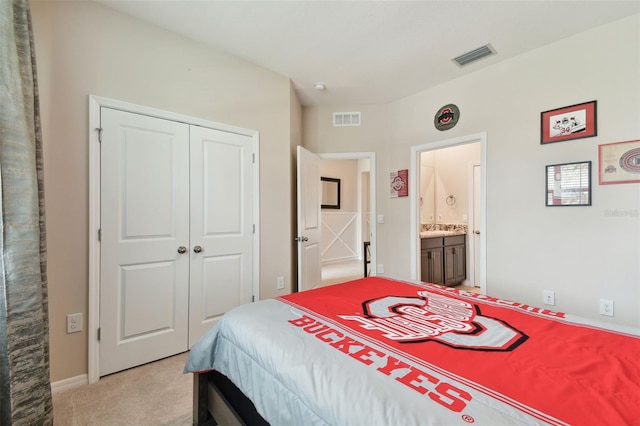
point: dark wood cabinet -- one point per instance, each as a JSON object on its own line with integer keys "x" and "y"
{"x": 431, "y": 265}
{"x": 454, "y": 260}
{"x": 443, "y": 260}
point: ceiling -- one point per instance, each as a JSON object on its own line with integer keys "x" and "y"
{"x": 370, "y": 52}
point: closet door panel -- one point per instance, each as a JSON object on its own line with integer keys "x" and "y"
{"x": 222, "y": 190}
{"x": 221, "y": 226}
{"x": 226, "y": 272}
{"x": 144, "y": 209}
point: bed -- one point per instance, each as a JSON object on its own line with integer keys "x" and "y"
{"x": 378, "y": 351}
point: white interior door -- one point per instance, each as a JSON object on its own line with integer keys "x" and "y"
{"x": 309, "y": 222}
{"x": 221, "y": 226}
{"x": 366, "y": 205}
{"x": 144, "y": 280}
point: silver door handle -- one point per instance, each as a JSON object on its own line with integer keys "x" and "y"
{"x": 476, "y": 232}
{"x": 197, "y": 249}
{"x": 182, "y": 249}
{"x": 302, "y": 239}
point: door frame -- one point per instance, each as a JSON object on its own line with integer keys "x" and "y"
{"x": 95, "y": 103}
{"x": 472, "y": 225}
{"x": 414, "y": 196}
{"x": 371, "y": 156}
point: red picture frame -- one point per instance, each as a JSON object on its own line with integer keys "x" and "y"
{"x": 568, "y": 123}
{"x": 619, "y": 162}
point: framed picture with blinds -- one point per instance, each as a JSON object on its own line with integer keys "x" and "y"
{"x": 568, "y": 184}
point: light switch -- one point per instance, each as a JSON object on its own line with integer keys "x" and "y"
{"x": 380, "y": 218}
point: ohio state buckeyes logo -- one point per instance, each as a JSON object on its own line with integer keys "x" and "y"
{"x": 446, "y": 117}
{"x": 438, "y": 318}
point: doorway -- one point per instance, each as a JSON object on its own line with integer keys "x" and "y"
{"x": 476, "y": 240}
{"x": 345, "y": 226}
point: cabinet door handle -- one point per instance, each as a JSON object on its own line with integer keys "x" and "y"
{"x": 182, "y": 249}
{"x": 197, "y": 249}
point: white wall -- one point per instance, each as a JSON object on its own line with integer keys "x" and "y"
{"x": 339, "y": 240}
{"x": 347, "y": 172}
{"x": 427, "y": 191}
{"x": 319, "y": 135}
{"x": 581, "y": 253}
{"x": 450, "y": 168}
{"x": 85, "y": 48}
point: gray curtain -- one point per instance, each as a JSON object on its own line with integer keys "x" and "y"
{"x": 25, "y": 388}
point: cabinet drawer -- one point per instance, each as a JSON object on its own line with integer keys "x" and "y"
{"x": 426, "y": 243}
{"x": 454, "y": 240}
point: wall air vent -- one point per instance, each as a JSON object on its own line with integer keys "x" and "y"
{"x": 341, "y": 119}
{"x": 474, "y": 55}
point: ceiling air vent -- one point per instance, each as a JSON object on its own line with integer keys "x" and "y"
{"x": 474, "y": 55}
{"x": 341, "y": 119}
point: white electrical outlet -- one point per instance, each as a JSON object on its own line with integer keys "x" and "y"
{"x": 280, "y": 283}
{"x": 606, "y": 307}
{"x": 549, "y": 297}
{"x": 74, "y": 323}
{"x": 380, "y": 268}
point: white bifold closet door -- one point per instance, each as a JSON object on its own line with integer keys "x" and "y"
{"x": 176, "y": 235}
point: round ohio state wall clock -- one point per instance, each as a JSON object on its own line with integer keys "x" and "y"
{"x": 446, "y": 117}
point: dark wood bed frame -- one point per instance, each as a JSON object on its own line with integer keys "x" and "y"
{"x": 216, "y": 400}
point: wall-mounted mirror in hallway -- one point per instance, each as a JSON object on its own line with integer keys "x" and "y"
{"x": 330, "y": 193}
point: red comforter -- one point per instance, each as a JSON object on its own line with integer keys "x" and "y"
{"x": 540, "y": 362}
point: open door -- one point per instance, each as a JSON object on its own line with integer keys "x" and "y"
{"x": 308, "y": 235}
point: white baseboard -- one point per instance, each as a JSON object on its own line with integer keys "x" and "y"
{"x": 71, "y": 382}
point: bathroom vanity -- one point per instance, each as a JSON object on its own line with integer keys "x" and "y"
{"x": 443, "y": 257}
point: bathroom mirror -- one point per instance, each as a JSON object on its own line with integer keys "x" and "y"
{"x": 568, "y": 184}
{"x": 330, "y": 193}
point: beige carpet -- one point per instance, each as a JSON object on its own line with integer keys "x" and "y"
{"x": 334, "y": 273}
{"x": 153, "y": 394}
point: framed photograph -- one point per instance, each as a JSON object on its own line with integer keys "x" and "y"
{"x": 568, "y": 184}
{"x": 619, "y": 162}
{"x": 570, "y": 122}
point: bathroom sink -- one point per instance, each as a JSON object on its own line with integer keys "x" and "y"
{"x": 434, "y": 234}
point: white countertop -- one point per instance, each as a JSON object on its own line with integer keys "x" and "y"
{"x": 434, "y": 234}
